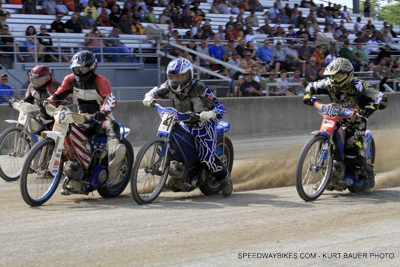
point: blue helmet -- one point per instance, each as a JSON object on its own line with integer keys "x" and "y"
{"x": 179, "y": 74}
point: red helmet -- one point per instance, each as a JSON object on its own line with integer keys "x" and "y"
{"x": 40, "y": 77}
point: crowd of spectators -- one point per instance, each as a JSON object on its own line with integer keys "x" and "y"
{"x": 290, "y": 48}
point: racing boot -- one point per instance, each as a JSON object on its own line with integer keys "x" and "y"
{"x": 369, "y": 179}
{"x": 225, "y": 181}
{"x": 116, "y": 152}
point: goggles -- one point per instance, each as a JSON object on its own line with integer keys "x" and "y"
{"x": 81, "y": 70}
{"x": 337, "y": 78}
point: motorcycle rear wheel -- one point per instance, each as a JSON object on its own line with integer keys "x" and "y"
{"x": 359, "y": 187}
{"x": 150, "y": 170}
{"x": 38, "y": 186}
{"x": 11, "y": 162}
{"x": 224, "y": 151}
{"x": 312, "y": 177}
{"x": 125, "y": 169}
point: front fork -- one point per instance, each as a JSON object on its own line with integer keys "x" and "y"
{"x": 55, "y": 161}
{"x": 322, "y": 156}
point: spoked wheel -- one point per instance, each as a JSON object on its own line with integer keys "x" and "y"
{"x": 124, "y": 173}
{"x": 224, "y": 151}
{"x": 314, "y": 168}
{"x": 37, "y": 183}
{"x": 150, "y": 171}
{"x": 359, "y": 187}
{"x": 14, "y": 148}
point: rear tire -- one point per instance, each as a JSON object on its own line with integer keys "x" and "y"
{"x": 39, "y": 186}
{"x": 150, "y": 170}
{"x": 125, "y": 169}
{"x": 12, "y": 160}
{"x": 224, "y": 151}
{"x": 312, "y": 177}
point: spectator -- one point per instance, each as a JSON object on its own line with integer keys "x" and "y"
{"x": 49, "y": 7}
{"x": 264, "y": 55}
{"x": 292, "y": 34}
{"x": 127, "y": 7}
{"x": 236, "y": 89}
{"x": 281, "y": 90}
{"x": 177, "y": 51}
{"x": 4, "y": 14}
{"x": 311, "y": 16}
{"x": 217, "y": 51}
{"x": 112, "y": 3}
{"x": 244, "y": 5}
{"x": 32, "y": 44}
{"x": 321, "y": 12}
{"x": 367, "y": 8}
{"x": 136, "y": 27}
{"x": 346, "y": 52}
{"x": 187, "y": 20}
{"x": 70, "y": 4}
{"x": 103, "y": 19}
{"x": 230, "y": 23}
{"x": 203, "y": 49}
{"x": 233, "y": 61}
{"x": 207, "y": 30}
{"x": 370, "y": 26}
{"x": 380, "y": 70}
{"x": 305, "y": 52}
{"x": 256, "y": 6}
{"x": 95, "y": 44}
{"x": 229, "y": 49}
{"x": 282, "y": 16}
{"x": 361, "y": 58}
{"x": 103, "y": 4}
{"x": 249, "y": 87}
{"x": 57, "y": 25}
{"x": 294, "y": 17}
{"x": 61, "y": 8}
{"x": 372, "y": 46}
{"x": 91, "y": 7}
{"x": 235, "y": 8}
{"x": 345, "y": 14}
{"x": 215, "y": 8}
{"x": 240, "y": 48}
{"x": 82, "y": 4}
{"x": 320, "y": 74}
{"x": 251, "y": 37}
{"x": 329, "y": 58}
{"x": 237, "y": 30}
{"x": 120, "y": 47}
{"x": 384, "y": 53}
{"x": 138, "y": 12}
{"x": 253, "y": 19}
{"x": 225, "y": 7}
{"x": 88, "y": 20}
{"x": 388, "y": 80}
{"x": 311, "y": 70}
{"x": 292, "y": 57}
{"x": 6, "y": 92}
{"x": 176, "y": 19}
{"x": 301, "y": 19}
{"x": 47, "y": 42}
{"x": 114, "y": 16}
{"x": 7, "y": 43}
{"x": 273, "y": 12}
{"x": 29, "y": 7}
{"x": 194, "y": 29}
{"x": 319, "y": 56}
{"x": 265, "y": 28}
{"x": 125, "y": 25}
{"x": 295, "y": 89}
{"x": 279, "y": 56}
{"x": 303, "y": 85}
{"x": 72, "y": 25}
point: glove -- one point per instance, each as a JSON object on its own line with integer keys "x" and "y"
{"x": 41, "y": 102}
{"x": 11, "y": 101}
{"x": 368, "y": 111}
{"x": 148, "y": 99}
{"x": 100, "y": 116}
{"x": 309, "y": 100}
{"x": 207, "y": 115}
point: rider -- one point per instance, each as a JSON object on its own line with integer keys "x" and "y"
{"x": 92, "y": 92}
{"x": 42, "y": 85}
{"x": 189, "y": 94}
{"x": 347, "y": 91}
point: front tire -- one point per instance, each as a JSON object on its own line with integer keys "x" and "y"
{"x": 224, "y": 151}
{"x": 125, "y": 169}
{"x": 38, "y": 186}
{"x": 150, "y": 170}
{"x": 313, "y": 171}
{"x": 12, "y": 157}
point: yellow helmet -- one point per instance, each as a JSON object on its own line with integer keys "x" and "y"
{"x": 340, "y": 73}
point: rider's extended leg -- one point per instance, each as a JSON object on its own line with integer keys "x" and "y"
{"x": 116, "y": 150}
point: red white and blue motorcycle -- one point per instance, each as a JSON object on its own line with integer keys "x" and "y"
{"x": 321, "y": 165}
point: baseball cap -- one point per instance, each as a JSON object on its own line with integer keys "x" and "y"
{"x": 346, "y": 42}
{"x": 3, "y": 75}
{"x": 278, "y": 43}
{"x": 370, "y": 20}
{"x": 241, "y": 77}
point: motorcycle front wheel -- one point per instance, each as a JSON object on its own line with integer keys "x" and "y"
{"x": 314, "y": 168}
{"x": 124, "y": 172}
{"x": 224, "y": 151}
{"x": 37, "y": 183}
{"x": 150, "y": 170}
{"x": 14, "y": 148}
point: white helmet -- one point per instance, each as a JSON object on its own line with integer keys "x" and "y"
{"x": 179, "y": 74}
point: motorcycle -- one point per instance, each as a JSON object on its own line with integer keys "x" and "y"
{"x": 321, "y": 165}
{"x": 68, "y": 152}
{"x": 173, "y": 153}
{"x": 16, "y": 142}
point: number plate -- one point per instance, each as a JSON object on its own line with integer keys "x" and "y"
{"x": 166, "y": 122}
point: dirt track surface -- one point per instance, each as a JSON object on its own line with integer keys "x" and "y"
{"x": 264, "y": 218}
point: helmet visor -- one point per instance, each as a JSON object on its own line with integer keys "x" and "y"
{"x": 175, "y": 80}
{"x": 81, "y": 70}
{"x": 39, "y": 81}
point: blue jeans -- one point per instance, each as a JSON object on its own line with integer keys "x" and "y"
{"x": 106, "y": 51}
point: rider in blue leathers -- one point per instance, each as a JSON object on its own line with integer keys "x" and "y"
{"x": 189, "y": 94}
